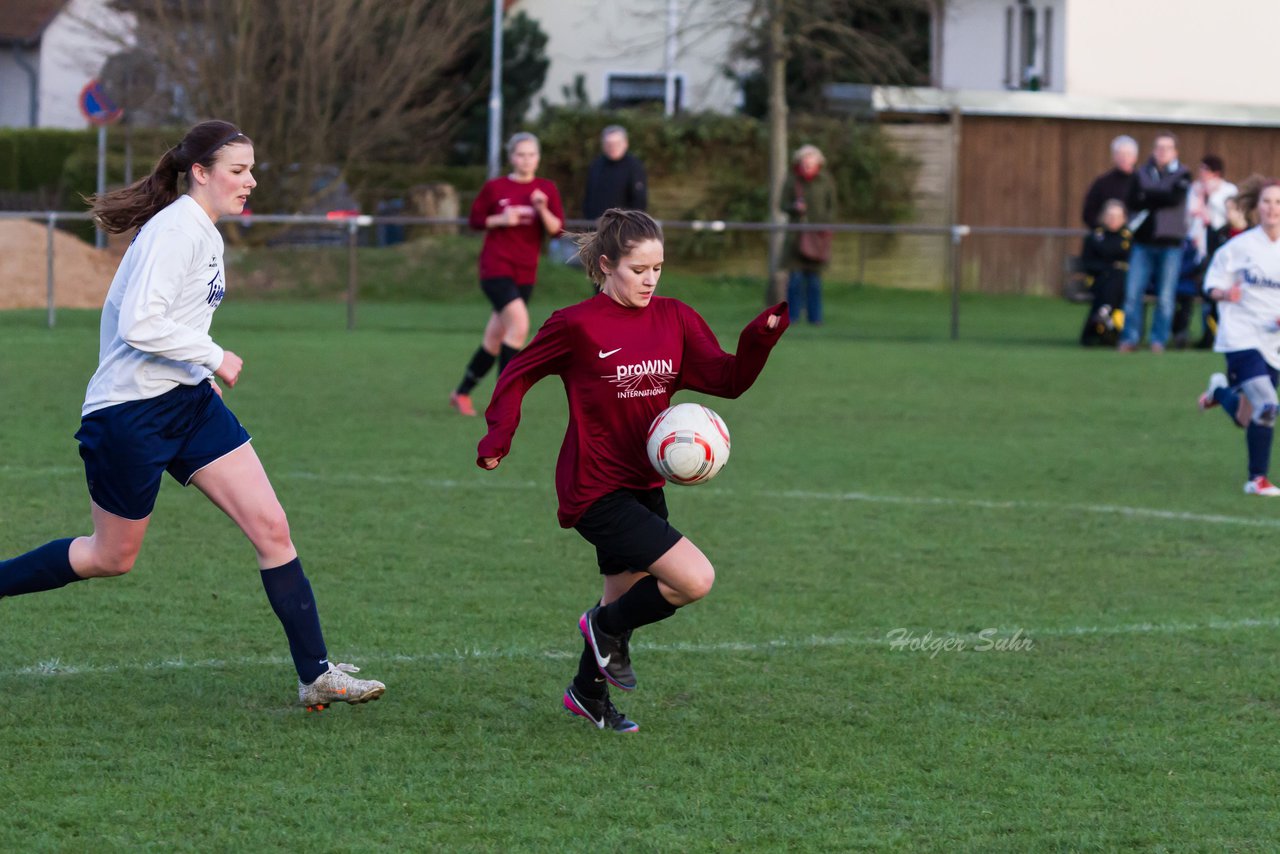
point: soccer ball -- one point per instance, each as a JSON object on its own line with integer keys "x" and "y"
{"x": 688, "y": 443}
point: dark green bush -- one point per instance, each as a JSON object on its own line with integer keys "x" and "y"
{"x": 31, "y": 159}
{"x": 710, "y": 166}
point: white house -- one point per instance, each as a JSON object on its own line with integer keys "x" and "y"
{"x": 625, "y": 50}
{"x": 49, "y": 49}
{"x": 998, "y": 44}
{"x": 1119, "y": 50}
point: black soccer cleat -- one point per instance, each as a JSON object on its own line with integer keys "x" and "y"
{"x": 612, "y": 652}
{"x": 603, "y": 713}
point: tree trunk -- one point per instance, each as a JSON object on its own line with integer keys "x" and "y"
{"x": 775, "y": 290}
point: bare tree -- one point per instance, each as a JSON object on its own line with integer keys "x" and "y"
{"x": 317, "y": 81}
{"x": 810, "y": 42}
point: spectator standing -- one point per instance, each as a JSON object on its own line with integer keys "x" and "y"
{"x": 1158, "y": 201}
{"x": 616, "y": 178}
{"x": 1207, "y": 205}
{"x": 1112, "y": 184}
{"x": 808, "y": 196}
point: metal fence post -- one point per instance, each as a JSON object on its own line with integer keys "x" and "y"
{"x": 353, "y": 233}
{"x": 862, "y": 258}
{"x": 48, "y": 285}
{"x": 958, "y": 232}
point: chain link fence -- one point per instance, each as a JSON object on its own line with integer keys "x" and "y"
{"x": 945, "y": 268}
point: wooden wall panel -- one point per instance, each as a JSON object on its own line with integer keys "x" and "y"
{"x": 1020, "y": 171}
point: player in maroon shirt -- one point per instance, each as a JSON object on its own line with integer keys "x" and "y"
{"x": 514, "y": 211}
{"x": 621, "y": 355}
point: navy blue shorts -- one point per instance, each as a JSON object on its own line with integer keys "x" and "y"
{"x": 128, "y": 447}
{"x": 504, "y": 290}
{"x": 629, "y": 529}
{"x": 1243, "y": 365}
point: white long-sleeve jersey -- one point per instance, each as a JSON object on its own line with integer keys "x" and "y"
{"x": 155, "y": 322}
{"x": 1252, "y": 260}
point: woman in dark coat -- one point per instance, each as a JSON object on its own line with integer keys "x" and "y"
{"x": 808, "y": 196}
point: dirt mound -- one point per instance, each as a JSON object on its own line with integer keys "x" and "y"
{"x": 81, "y": 274}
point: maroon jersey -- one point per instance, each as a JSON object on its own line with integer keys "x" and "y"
{"x": 620, "y": 367}
{"x": 511, "y": 251}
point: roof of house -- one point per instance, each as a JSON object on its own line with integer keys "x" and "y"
{"x": 896, "y": 99}
{"x": 22, "y": 22}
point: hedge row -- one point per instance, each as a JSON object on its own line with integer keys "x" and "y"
{"x": 32, "y": 159}
{"x": 701, "y": 166}
{"x": 716, "y": 166}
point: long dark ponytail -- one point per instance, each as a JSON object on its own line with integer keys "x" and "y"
{"x": 131, "y": 206}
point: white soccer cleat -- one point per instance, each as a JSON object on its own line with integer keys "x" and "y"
{"x": 337, "y": 685}
{"x": 1261, "y": 486}
{"x": 1216, "y": 381}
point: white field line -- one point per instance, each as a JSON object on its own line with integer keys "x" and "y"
{"x": 490, "y": 482}
{"x": 56, "y": 667}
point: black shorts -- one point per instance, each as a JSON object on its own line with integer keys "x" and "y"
{"x": 504, "y": 290}
{"x": 629, "y": 529}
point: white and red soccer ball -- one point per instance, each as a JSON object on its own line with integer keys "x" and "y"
{"x": 688, "y": 443}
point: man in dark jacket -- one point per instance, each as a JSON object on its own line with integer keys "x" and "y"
{"x": 616, "y": 179}
{"x": 1157, "y": 202}
{"x": 1112, "y": 184}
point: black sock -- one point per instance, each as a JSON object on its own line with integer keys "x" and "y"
{"x": 290, "y": 595}
{"x": 479, "y": 365}
{"x": 508, "y": 353}
{"x": 641, "y": 605}
{"x": 45, "y": 568}
{"x": 588, "y": 682}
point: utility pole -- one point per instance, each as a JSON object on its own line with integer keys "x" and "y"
{"x": 775, "y": 290}
{"x": 495, "y": 94}
{"x": 669, "y": 61}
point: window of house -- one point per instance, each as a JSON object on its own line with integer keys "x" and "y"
{"x": 1047, "y": 64}
{"x": 1010, "y": 63}
{"x": 1028, "y": 45}
{"x": 630, "y": 90}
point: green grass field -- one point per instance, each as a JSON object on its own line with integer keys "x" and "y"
{"x": 886, "y": 483}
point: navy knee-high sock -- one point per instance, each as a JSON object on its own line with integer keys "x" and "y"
{"x": 45, "y": 568}
{"x": 1229, "y": 400}
{"x": 641, "y": 605}
{"x": 1258, "y": 438}
{"x": 289, "y": 592}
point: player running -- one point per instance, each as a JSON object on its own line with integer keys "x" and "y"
{"x": 622, "y": 354}
{"x": 154, "y": 406}
{"x": 514, "y": 211}
{"x": 1244, "y": 278}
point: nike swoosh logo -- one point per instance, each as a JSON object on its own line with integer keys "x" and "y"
{"x": 604, "y": 355}
{"x": 604, "y": 662}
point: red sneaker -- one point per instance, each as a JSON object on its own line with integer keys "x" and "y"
{"x": 1261, "y": 486}
{"x": 1216, "y": 381}
{"x": 462, "y": 403}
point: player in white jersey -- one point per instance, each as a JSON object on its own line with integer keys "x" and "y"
{"x": 154, "y": 404}
{"x": 1245, "y": 280}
